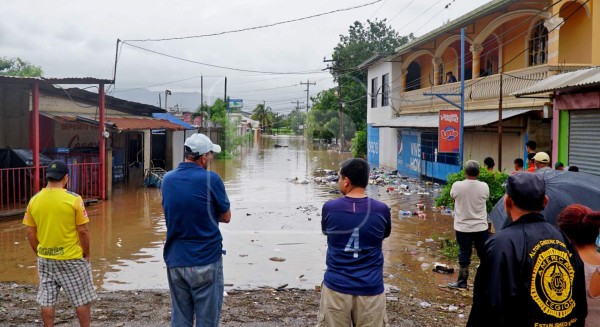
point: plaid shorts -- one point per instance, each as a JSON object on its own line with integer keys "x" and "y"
{"x": 73, "y": 276}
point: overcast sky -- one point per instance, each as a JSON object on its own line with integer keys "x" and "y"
{"x": 78, "y": 39}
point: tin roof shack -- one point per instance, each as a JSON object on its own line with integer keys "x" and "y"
{"x": 39, "y": 114}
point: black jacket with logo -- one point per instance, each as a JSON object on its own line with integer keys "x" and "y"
{"x": 530, "y": 276}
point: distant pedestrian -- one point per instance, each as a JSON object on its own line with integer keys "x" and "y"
{"x": 195, "y": 202}
{"x": 530, "y": 162}
{"x": 355, "y": 226}
{"x": 530, "y": 275}
{"x": 559, "y": 166}
{"x": 450, "y": 78}
{"x": 542, "y": 161}
{"x": 489, "y": 164}
{"x": 531, "y": 147}
{"x": 518, "y": 165}
{"x": 573, "y": 168}
{"x": 470, "y": 219}
{"x": 581, "y": 225}
{"x": 57, "y": 231}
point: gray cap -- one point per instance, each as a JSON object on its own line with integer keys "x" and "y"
{"x": 527, "y": 190}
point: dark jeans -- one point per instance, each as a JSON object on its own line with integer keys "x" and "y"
{"x": 465, "y": 245}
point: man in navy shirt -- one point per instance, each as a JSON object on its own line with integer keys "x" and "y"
{"x": 355, "y": 226}
{"x": 195, "y": 202}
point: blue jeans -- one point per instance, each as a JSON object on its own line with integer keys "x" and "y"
{"x": 196, "y": 291}
{"x": 465, "y": 245}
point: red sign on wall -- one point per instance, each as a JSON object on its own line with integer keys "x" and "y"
{"x": 448, "y": 135}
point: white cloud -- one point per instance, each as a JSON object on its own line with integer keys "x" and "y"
{"x": 77, "y": 38}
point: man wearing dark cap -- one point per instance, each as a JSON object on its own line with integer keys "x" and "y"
{"x": 530, "y": 275}
{"x": 195, "y": 202}
{"x": 56, "y": 223}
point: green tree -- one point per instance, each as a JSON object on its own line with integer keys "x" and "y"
{"x": 203, "y": 112}
{"x": 264, "y": 115}
{"x": 361, "y": 42}
{"x": 495, "y": 181}
{"x": 19, "y": 67}
{"x": 359, "y": 145}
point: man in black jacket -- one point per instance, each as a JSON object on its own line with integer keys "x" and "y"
{"x": 530, "y": 274}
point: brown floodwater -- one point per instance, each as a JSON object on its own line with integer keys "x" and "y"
{"x": 271, "y": 217}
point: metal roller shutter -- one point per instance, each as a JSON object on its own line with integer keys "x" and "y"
{"x": 584, "y": 140}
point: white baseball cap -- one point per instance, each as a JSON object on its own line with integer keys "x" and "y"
{"x": 200, "y": 144}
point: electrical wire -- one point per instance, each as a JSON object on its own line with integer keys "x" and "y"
{"x": 258, "y": 27}
{"x": 316, "y": 71}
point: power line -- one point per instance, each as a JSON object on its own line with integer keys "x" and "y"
{"x": 316, "y": 71}
{"x": 257, "y": 27}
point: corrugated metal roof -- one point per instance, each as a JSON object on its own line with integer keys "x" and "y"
{"x": 583, "y": 77}
{"x": 472, "y": 118}
{"x": 172, "y": 119}
{"x": 121, "y": 123}
{"x": 139, "y": 123}
{"x": 56, "y": 80}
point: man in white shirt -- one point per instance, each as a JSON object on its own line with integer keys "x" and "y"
{"x": 470, "y": 219}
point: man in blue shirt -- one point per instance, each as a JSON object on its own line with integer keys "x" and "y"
{"x": 355, "y": 226}
{"x": 195, "y": 202}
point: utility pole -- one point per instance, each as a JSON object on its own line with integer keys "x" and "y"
{"x": 297, "y": 102}
{"x": 202, "y": 101}
{"x": 167, "y": 93}
{"x": 225, "y": 97}
{"x": 308, "y": 84}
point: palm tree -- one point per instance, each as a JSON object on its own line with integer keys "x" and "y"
{"x": 263, "y": 115}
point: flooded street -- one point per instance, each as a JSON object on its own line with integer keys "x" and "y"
{"x": 271, "y": 217}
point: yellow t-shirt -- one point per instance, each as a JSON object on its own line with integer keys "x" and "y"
{"x": 56, "y": 213}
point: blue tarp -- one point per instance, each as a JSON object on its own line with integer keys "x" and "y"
{"x": 172, "y": 119}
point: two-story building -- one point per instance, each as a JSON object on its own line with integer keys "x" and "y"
{"x": 510, "y": 45}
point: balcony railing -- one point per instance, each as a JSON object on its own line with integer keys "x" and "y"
{"x": 480, "y": 89}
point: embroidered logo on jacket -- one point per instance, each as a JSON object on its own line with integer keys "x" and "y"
{"x": 552, "y": 282}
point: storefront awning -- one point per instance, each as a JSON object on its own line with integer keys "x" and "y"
{"x": 472, "y": 118}
{"x": 120, "y": 123}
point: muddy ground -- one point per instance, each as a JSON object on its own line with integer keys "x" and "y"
{"x": 263, "y": 307}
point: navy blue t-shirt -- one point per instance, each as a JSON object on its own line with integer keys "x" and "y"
{"x": 192, "y": 200}
{"x": 355, "y": 229}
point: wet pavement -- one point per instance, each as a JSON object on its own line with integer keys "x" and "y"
{"x": 275, "y": 215}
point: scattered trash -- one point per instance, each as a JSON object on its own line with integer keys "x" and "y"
{"x": 419, "y": 243}
{"x": 277, "y": 259}
{"x": 425, "y": 305}
{"x": 300, "y": 276}
{"x": 248, "y": 214}
{"x": 391, "y": 298}
{"x": 461, "y": 315}
{"x": 422, "y": 216}
{"x": 429, "y": 240}
{"x": 441, "y": 268}
{"x": 452, "y": 308}
{"x": 281, "y": 287}
{"x": 243, "y": 255}
{"x": 405, "y": 213}
{"x": 425, "y": 266}
{"x": 420, "y": 206}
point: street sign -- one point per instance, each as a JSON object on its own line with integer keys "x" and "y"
{"x": 449, "y": 131}
{"x": 236, "y": 103}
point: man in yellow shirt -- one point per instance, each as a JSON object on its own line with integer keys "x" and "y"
{"x": 57, "y": 231}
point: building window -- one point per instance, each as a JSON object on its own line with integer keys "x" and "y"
{"x": 538, "y": 45}
{"x": 374, "y": 90}
{"x": 441, "y": 74}
{"x": 385, "y": 89}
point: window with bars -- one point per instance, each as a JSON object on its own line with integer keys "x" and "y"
{"x": 538, "y": 45}
{"x": 441, "y": 74}
{"x": 374, "y": 92}
{"x": 385, "y": 89}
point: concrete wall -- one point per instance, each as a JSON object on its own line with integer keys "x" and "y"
{"x": 14, "y": 116}
{"x": 388, "y": 145}
{"x": 57, "y": 105}
{"x": 575, "y": 33}
{"x": 381, "y": 113}
{"x": 147, "y": 148}
{"x": 176, "y": 153}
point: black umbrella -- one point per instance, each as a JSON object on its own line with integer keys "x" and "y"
{"x": 563, "y": 188}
